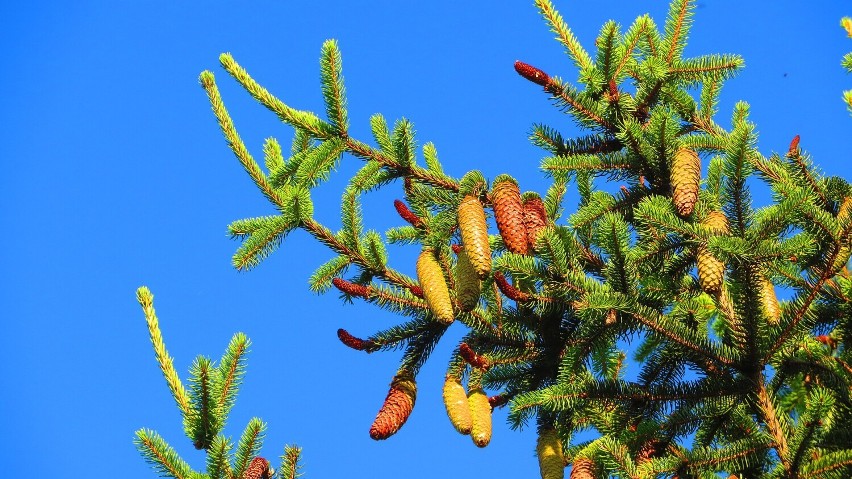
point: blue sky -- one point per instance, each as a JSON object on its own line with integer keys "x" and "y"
{"x": 115, "y": 175}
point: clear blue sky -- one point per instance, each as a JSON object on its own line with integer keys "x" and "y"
{"x": 115, "y": 175}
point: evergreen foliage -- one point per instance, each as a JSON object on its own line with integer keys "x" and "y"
{"x": 679, "y": 264}
{"x": 205, "y": 408}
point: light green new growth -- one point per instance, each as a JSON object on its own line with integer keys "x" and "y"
{"x": 205, "y": 409}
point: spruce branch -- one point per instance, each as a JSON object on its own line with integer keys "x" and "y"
{"x": 162, "y": 456}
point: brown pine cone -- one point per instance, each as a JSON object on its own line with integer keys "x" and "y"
{"x": 711, "y": 271}
{"x": 582, "y": 469}
{"x": 535, "y": 216}
{"x": 717, "y": 222}
{"x": 397, "y": 407}
{"x": 258, "y": 469}
{"x": 685, "y": 176}
{"x": 509, "y": 213}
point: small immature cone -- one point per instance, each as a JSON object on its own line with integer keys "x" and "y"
{"x": 480, "y": 412}
{"x": 357, "y": 344}
{"x": 532, "y": 73}
{"x": 685, "y": 176}
{"x": 793, "y": 151}
{"x": 434, "y": 286}
{"x": 509, "y": 213}
{"x": 258, "y": 469}
{"x": 582, "y": 469}
{"x": 397, "y": 407}
{"x": 472, "y": 358}
{"x": 535, "y": 217}
{"x": 407, "y": 214}
{"x": 455, "y": 400}
{"x": 467, "y": 284}
{"x": 551, "y": 462}
{"x": 509, "y": 290}
{"x": 711, "y": 271}
{"x": 770, "y": 301}
{"x": 474, "y": 233}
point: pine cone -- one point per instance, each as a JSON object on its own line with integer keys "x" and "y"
{"x": 583, "y": 469}
{"x": 685, "y": 175}
{"x": 455, "y": 400}
{"x": 842, "y": 257}
{"x": 396, "y": 408}
{"x": 474, "y": 233}
{"x": 535, "y": 217}
{"x": 357, "y": 344}
{"x": 551, "y": 462}
{"x": 258, "y": 469}
{"x": 467, "y": 282}
{"x": 717, "y": 222}
{"x": 532, "y": 73}
{"x": 480, "y": 413}
{"x": 770, "y": 301}
{"x": 711, "y": 271}
{"x": 844, "y": 209}
{"x": 434, "y": 286}
{"x": 509, "y": 213}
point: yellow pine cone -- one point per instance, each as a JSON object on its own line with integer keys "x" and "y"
{"x": 844, "y": 209}
{"x": 474, "y": 233}
{"x": 717, "y": 222}
{"x": 455, "y": 400}
{"x": 770, "y": 301}
{"x": 842, "y": 257}
{"x": 397, "y": 407}
{"x": 434, "y": 286}
{"x": 551, "y": 463}
{"x": 535, "y": 217}
{"x": 509, "y": 214}
{"x": 711, "y": 271}
{"x": 480, "y": 413}
{"x": 685, "y": 176}
{"x": 582, "y": 469}
{"x": 467, "y": 282}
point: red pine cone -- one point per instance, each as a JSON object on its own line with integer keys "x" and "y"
{"x": 535, "y": 217}
{"x": 397, "y": 407}
{"x": 793, "y": 151}
{"x": 258, "y": 469}
{"x": 583, "y": 469}
{"x": 510, "y": 291}
{"x": 509, "y": 213}
{"x": 416, "y": 290}
{"x": 350, "y": 288}
{"x": 353, "y": 342}
{"x": 407, "y": 214}
{"x": 497, "y": 401}
{"x": 532, "y": 73}
{"x": 471, "y": 357}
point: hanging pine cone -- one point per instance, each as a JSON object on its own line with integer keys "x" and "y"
{"x": 770, "y": 301}
{"x": 685, "y": 175}
{"x": 551, "y": 462}
{"x": 582, "y": 469}
{"x": 535, "y": 216}
{"x": 455, "y": 400}
{"x": 474, "y": 233}
{"x": 711, "y": 271}
{"x": 842, "y": 257}
{"x": 258, "y": 469}
{"x": 396, "y": 408}
{"x": 717, "y": 222}
{"x": 435, "y": 289}
{"x": 509, "y": 213}
{"x": 480, "y": 413}
{"x": 467, "y": 284}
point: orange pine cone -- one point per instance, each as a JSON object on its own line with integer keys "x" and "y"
{"x": 583, "y": 469}
{"x": 717, "y": 222}
{"x": 711, "y": 271}
{"x": 509, "y": 213}
{"x": 435, "y": 289}
{"x": 480, "y": 413}
{"x": 770, "y": 301}
{"x": 258, "y": 469}
{"x": 474, "y": 233}
{"x": 685, "y": 175}
{"x": 551, "y": 462}
{"x": 535, "y": 217}
{"x": 455, "y": 400}
{"x": 467, "y": 284}
{"x": 397, "y": 407}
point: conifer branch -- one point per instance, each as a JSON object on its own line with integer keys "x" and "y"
{"x": 159, "y": 454}
{"x": 146, "y": 300}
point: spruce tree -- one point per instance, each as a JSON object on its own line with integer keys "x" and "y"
{"x": 736, "y": 314}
